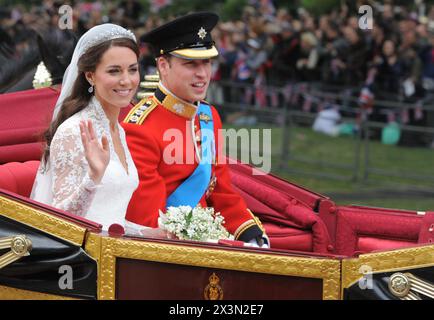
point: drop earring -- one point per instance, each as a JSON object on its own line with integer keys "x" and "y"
{"x": 90, "y": 90}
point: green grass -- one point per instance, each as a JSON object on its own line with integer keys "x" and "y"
{"x": 346, "y": 184}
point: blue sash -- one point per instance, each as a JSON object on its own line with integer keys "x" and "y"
{"x": 194, "y": 187}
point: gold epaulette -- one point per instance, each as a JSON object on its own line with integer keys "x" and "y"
{"x": 140, "y": 111}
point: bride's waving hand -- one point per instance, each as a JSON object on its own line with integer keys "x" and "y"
{"x": 97, "y": 154}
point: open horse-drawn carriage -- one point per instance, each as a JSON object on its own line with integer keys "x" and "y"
{"x": 319, "y": 250}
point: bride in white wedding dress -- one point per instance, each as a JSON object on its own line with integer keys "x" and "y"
{"x": 86, "y": 168}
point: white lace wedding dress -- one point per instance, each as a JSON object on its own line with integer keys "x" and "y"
{"x": 71, "y": 187}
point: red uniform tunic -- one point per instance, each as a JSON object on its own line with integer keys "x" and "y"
{"x": 159, "y": 136}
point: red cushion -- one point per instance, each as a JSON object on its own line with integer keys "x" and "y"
{"x": 369, "y": 244}
{"x": 18, "y": 177}
{"x": 284, "y": 237}
{"x": 361, "y": 230}
{"x": 307, "y": 197}
{"x": 275, "y": 205}
{"x": 20, "y": 135}
{"x": 23, "y": 117}
{"x": 20, "y": 152}
{"x": 27, "y": 109}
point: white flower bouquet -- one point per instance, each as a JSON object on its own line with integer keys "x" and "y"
{"x": 201, "y": 224}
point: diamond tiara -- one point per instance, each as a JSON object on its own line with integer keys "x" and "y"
{"x": 113, "y": 33}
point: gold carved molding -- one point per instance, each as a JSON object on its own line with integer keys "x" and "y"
{"x": 93, "y": 248}
{"x": 93, "y": 245}
{"x": 42, "y": 221}
{"x": 111, "y": 248}
{"x": 387, "y": 261}
{"x": 8, "y": 293}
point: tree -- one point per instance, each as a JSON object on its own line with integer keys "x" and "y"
{"x": 318, "y": 7}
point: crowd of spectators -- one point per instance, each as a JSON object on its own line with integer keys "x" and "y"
{"x": 393, "y": 60}
{"x": 277, "y": 47}
{"x": 277, "y": 44}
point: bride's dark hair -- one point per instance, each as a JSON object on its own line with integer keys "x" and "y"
{"x": 80, "y": 96}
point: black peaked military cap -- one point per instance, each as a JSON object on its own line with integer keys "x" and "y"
{"x": 188, "y": 37}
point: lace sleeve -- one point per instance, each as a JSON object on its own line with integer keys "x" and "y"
{"x": 73, "y": 189}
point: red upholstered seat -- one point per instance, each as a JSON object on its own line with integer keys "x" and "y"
{"x": 24, "y": 115}
{"x": 370, "y": 244}
{"x": 284, "y": 237}
{"x": 362, "y": 229}
{"x": 286, "y": 210}
{"x": 21, "y": 153}
{"x": 18, "y": 177}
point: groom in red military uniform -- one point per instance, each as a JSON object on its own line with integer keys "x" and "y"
{"x": 178, "y": 164}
